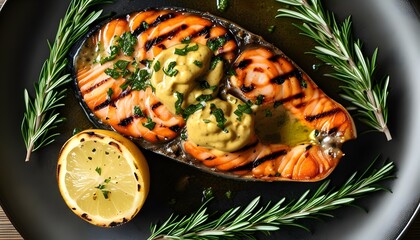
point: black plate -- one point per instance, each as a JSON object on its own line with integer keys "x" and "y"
{"x": 29, "y": 192}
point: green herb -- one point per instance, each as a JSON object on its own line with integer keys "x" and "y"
{"x": 184, "y": 51}
{"x": 222, "y": 5}
{"x": 231, "y": 72}
{"x": 219, "y": 115}
{"x": 121, "y": 64}
{"x": 271, "y": 28}
{"x": 198, "y": 63}
{"x": 184, "y": 134}
{"x": 216, "y": 43}
{"x": 192, "y": 109}
{"x": 156, "y": 67}
{"x": 186, "y": 40}
{"x": 178, "y": 103}
{"x": 126, "y": 43}
{"x": 138, "y": 112}
{"x": 337, "y": 48}
{"x": 204, "y": 98}
{"x": 228, "y": 195}
{"x": 76, "y": 131}
{"x": 206, "y": 121}
{"x": 139, "y": 80}
{"x": 170, "y": 71}
{"x": 215, "y": 61}
{"x": 207, "y": 194}
{"x": 114, "y": 50}
{"x": 98, "y": 170}
{"x": 109, "y": 94}
{"x": 244, "y": 223}
{"x": 303, "y": 83}
{"x": 144, "y": 25}
{"x": 268, "y": 113}
{"x": 40, "y": 116}
{"x": 149, "y": 124}
{"x": 204, "y": 84}
{"x": 112, "y": 72}
{"x": 278, "y": 104}
{"x": 103, "y": 190}
{"x": 243, "y": 108}
{"x": 260, "y": 100}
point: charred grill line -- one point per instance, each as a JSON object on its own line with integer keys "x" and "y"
{"x": 150, "y": 43}
{"x": 291, "y": 98}
{"x": 175, "y": 128}
{"x": 126, "y": 121}
{"x": 112, "y": 102}
{"x": 282, "y": 78}
{"x": 162, "y": 18}
{"x": 244, "y": 63}
{"x": 96, "y": 85}
{"x": 322, "y": 115}
{"x": 271, "y": 156}
{"x": 156, "y": 105}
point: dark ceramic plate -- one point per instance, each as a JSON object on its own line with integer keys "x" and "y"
{"x": 29, "y": 192}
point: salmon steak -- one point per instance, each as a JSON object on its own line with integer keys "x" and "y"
{"x": 206, "y": 92}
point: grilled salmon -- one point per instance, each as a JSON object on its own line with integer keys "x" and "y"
{"x": 206, "y": 92}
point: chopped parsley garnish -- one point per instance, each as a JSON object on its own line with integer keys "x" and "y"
{"x": 303, "y": 83}
{"x": 109, "y": 93}
{"x": 268, "y": 113}
{"x": 206, "y": 121}
{"x": 222, "y": 5}
{"x": 112, "y": 72}
{"x": 204, "y": 98}
{"x": 170, "y": 71}
{"x": 216, "y": 43}
{"x": 178, "y": 103}
{"x": 231, "y": 72}
{"x": 186, "y": 40}
{"x": 219, "y": 115}
{"x": 98, "y": 170}
{"x": 260, "y": 100}
{"x": 139, "y": 80}
{"x": 138, "y": 112}
{"x": 198, "y": 63}
{"x": 184, "y": 51}
{"x": 271, "y": 28}
{"x": 149, "y": 124}
{"x": 214, "y": 62}
{"x": 184, "y": 134}
{"x": 121, "y": 64}
{"x": 144, "y": 25}
{"x": 126, "y": 43}
{"x": 278, "y": 104}
{"x": 192, "y": 109}
{"x": 156, "y": 67}
{"x": 243, "y": 108}
{"x": 112, "y": 56}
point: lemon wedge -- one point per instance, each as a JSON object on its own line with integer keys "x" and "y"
{"x": 103, "y": 177}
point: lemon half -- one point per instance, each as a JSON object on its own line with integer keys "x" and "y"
{"x": 103, "y": 177}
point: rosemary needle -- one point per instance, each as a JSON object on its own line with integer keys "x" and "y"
{"x": 337, "y": 49}
{"x": 244, "y": 223}
{"x": 40, "y": 117}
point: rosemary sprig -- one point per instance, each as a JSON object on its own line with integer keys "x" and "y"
{"x": 40, "y": 117}
{"x": 238, "y": 223}
{"x": 337, "y": 49}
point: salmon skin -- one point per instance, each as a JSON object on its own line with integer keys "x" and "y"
{"x": 298, "y": 130}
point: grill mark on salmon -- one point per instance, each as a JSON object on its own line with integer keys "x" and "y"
{"x": 96, "y": 85}
{"x": 282, "y": 78}
{"x": 322, "y": 115}
{"x": 161, "y": 38}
